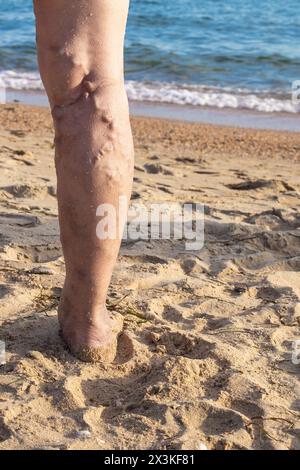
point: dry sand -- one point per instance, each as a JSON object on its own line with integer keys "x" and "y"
{"x": 210, "y": 355}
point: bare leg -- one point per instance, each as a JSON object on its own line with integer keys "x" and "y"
{"x": 80, "y": 49}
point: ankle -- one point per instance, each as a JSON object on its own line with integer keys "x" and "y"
{"x": 76, "y": 305}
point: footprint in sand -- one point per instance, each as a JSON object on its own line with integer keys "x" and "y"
{"x": 19, "y": 220}
{"x": 276, "y": 185}
{"x": 172, "y": 314}
{"x": 5, "y": 432}
{"x": 67, "y": 394}
{"x": 210, "y": 420}
{"x": 269, "y": 220}
{"x": 26, "y": 191}
{"x": 35, "y": 254}
{"x": 286, "y": 284}
{"x": 181, "y": 344}
{"x": 155, "y": 168}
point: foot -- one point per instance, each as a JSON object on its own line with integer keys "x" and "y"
{"x": 91, "y": 338}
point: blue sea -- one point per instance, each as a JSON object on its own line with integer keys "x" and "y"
{"x": 206, "y": 53}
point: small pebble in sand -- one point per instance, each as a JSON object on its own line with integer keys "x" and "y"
{"x": 83, "y": 434}
{"x": 41, "y": 270}
{"x": 202, "y": 446}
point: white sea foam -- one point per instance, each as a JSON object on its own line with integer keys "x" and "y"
{"x": 20, "y": 80}
{"x": 203, "y": 96}
{"x": 159, "y": 92}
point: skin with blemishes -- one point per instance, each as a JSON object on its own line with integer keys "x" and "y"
{"x": 80, "y": 50}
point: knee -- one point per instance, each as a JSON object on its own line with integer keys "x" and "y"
{"x": 70, "y": 80}
{"x": 92, "y": 130}
{"x": 67, "y": 74}
{"x": 63, "y": 69}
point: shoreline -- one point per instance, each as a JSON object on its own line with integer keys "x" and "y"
{"x": 239, "y": 118}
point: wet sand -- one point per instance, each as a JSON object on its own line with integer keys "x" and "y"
{"x": 239, "y": 117}
{"x": 209, "y": 359}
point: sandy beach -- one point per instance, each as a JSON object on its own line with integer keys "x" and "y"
{"x": 207, "y": 355}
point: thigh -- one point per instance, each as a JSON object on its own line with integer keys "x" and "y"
{"x": 79, "y": 40}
